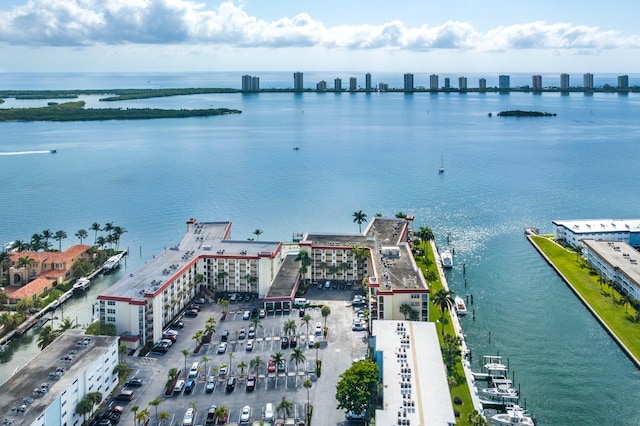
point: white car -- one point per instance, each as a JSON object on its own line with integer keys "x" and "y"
{"x": 245, "y": 415}
{"x": 222, "y": 347}
{"x": 188, "y": 418}
{"x": 248, "y": 346}
{"x": 312, "y": 340}
{"x": 318, "y": 329}
{"x": 246, "y": 315}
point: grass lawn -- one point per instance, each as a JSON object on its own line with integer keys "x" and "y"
{"x": 604, "y": 300}
{"x": 460, "y": 390}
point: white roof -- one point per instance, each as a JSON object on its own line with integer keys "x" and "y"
{"x": 587, "y": 226}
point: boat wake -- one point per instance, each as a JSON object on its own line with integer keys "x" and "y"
{"x": 25, "y": 152}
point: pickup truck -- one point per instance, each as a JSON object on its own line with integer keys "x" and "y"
{"x": 211, "y": 417}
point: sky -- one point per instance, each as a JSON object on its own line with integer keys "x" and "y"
{"x": 465, "y": 36}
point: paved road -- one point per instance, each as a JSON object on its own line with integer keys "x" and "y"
{"x": 337, "y": 354}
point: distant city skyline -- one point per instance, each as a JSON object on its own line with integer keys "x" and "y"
{"x": 306, "y": 35}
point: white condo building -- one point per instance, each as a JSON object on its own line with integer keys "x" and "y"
{"x": 616, "y": 261}
{"x": 573, "y": 231}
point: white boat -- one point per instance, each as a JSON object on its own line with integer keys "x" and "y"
{"x": 447, "y": 259}
{"x": 515, "y": 415}
{"x": 501, "y": 392}
{"x": 112, "y": 263}
{"x": 441, "y": 168}
{"x": 461, "y": 307}
{"x": 82, "y": 283}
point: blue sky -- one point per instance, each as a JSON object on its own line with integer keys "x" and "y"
{"x": 464, "y": 36}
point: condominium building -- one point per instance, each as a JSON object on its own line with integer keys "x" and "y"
{"x": 447, "y": 83}
{"x": 337, "y": 84}
{"x": 383, "y": 87}
{"x": 536, "y": 82}
{"x": 353, "y": 84}
{"x": 617, "y": 262}
{"x": 564, "y": 81}
{"x": 250, "y": 83}
{"x": 504, "y": 82}
{"x": 571, "y": 232}
{"x": 462, "y": 83}
{"x": 367, "y": 82}
{"x": 433, "y": 82}
{"x": 408, "y": 81}
{"x": 321, "y": 86}
{"x": 482, "y": 83}
{"x": 58, "y": 378}
{"x": 298, "y": 81}
{"x": 587, "y": 81}
{"x": 623, "y": 82}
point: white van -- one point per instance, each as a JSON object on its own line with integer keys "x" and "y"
{"x": 193, "y": 372}
{"x": 179, "y": 386}
{"x": 301, "y": 302}
{"x": 268, "y": 412}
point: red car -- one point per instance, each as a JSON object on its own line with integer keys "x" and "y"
{"x": 272, "y": 366}
{"x": 251, "y": 382}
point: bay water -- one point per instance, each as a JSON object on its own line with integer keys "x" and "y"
{"x": 376, "y": 152}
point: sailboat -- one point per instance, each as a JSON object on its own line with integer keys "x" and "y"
{"x": 441, "y": 168}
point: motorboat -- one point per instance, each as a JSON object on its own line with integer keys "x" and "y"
{"x": 515, "y": 415}
{"x": 112, "y": 263}
{"x": 461, "y": 307}
{"x": 53, "y": 151}
{"x": 82, "y": 284}
{"x": 501, "y": 392}
{"x": 441, "y": 168}
{"x": 447, "y": 259}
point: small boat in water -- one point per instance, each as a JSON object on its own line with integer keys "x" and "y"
{"x": 82, "y": 284}
{"x": 447, "y": 259}
{"x": 515, "y": 415}
{"x": 53, "y": 151}
{"x": 441, "y": 168}
{"x": 112, "y": 263}
{"x": 501, "y": 392}
{"x": 461, "y": 307}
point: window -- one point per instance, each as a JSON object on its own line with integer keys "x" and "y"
{"x": 111, "y": 303}
{"x": 111, "y": 311}
{"x": 111, "y": 319}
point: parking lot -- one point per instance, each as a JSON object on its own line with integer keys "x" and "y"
{"x": 342, "y": 346}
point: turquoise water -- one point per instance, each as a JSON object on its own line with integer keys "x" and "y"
{"x": 378, "y": 153}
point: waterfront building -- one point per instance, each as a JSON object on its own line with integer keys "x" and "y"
{"x": 571, "y": 232}
{"x": 433, "y": 82}
{"x": 462, "y": 83}
{"x": 536, "y": 82}
{"x": 353, "y": 84}
{"x": 587, "y": 80}
{"x": 482, "y": 84}
{"x": 416, "y": 391}
{"x": 58, "y": 378}
{"x": 447, "y": 83}
{"x": 617, "y": 262}
{"x": 298, "y": 81}
{"x": 321, "y": 86}
{"x": 255, "y": 84}
{"x": 564, "y": 81}
{"x": 504, "y": 82}
{"x": 250, "y": 83}
{"x": 623, "y": 82}
{"x": 45, "y": 270}
{"x": 383, "y": 87}
{"x": 408, "y": 81}
{"x": 337, "y": 84}
{"x": 367, "y": 82}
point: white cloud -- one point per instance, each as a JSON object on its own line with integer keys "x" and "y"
{"x": 121, "y": 22}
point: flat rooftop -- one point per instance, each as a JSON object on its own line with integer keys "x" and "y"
{"x": 203, "y": 239}
{"x": 589, "y": 226}
{"x": 618, "y": 254}
{"x": 284, "y": 283}
{"x": 73, "y": 351}
{"x": 414, "y": 374}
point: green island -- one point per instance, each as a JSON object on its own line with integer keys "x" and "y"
{"x": 119, "y": 94}
{"x": 617, "y": 313}
{"x": 75, "y": 111}
{"x": 520, "y": 113}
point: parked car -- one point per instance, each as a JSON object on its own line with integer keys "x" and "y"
{"x": 211, "y": 416}
{"x": 284, "y": 342}
{"x": 327, "y": 285}
{"x": 159, "y": 349}
{"x": 358, "y": 326}
{"x": 222, "y": 347}
{"x": 195, "y": 307}
{"x": 248, "y": 346}
{"x": 187, "y": 420}
{"x": 231, "y": 384}
{"x": 293, "y": 342}
{"x": 200, "y": 301}
{"x": 189, "y": 386}
{"x": 247, "y": 298}
{"x": 177, "y": 324}
{"x": 179, "y": 386}
{"x": 252, "y": 331}
{"x": 269, "y": 412}
{"x": 224, "y": 336}
{"x": 251, "y": 382}
{"x": 281, "y": 367}
{"x": 318, "y": 330}
{"x": 246, "y": 315}
{"x": 271, "y": 368}
{"x": 312, "y": 340}
{"x": 262, "y": 313}
{"x": 224, "y": 369}
{"x": 254, "y": 312}
{"x": 242, "y": 334}
{"x": 134, "y": 382}
{"x": 211, "y": 384}
{"x": 355, "y": 416}
{"x": 191, "y": 313}
{"x": 169, "y": 336}
{"x": 245, "y": 414}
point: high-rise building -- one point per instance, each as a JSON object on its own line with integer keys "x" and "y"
{"x": 564, "y": 81}
{"x": 482, "y": 83}
{"x": 587, "y": 80}
{"x": 321, "y": 86}
{"x": 255, "y": 84}
{"x": 298, "y": 81}
{"x": 447, "y": 83}
{"x": 353, "y": 84}
{"x": 623, "y": 82}
{"x": 367, "y": 82}
{"x": 383, "y": 87}
{"x": 504, "y": 82}
{"x": 536, "y": 82}
{"x": 250, "y": 83}
{"x": 462, "y": 83}
{"x": 337, "y": 84}
{"x": 408, "y": 81}
{"x": 433, "y": 82}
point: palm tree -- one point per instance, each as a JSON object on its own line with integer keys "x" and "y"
{"x": 401, "y": 215}
{"x": 306, "y": 319}
{"x": 221, "y": 277}
{"x": 477, "y": 419}
{"x": 66, "y": 324}
{"x": 84, "y": 407}
{"x": 108, "y": 227}
{"x": 135, "y": 409}
{"x": 298, "y": 357}
{"x": 241, "y": 366}
{"x": 154, "y": 403}
{"x": 117, "y": 233}
{"x": 198, "y": 337}
{"x": 95, "y": 398}
{"x": 257, "y": 233}
{"x": 36, "y": 242}
{"x": 307, "y": 385}
{"x": 205, "y": 359}
{"x": 4, "y": 261}
{"x": 46, "y": 336}
{"x": 164, "y": 416}
{"x": 289, "y": 327}
{"x": 59, "y": 236}
{"x": 231, "y": 356}
{"x": 305, "y": 261}
{"x": 46, "y": 234}
{"x": 221, "y": 413}
{"x": 24, "y": 304}
{"x": 442, "y": 299}
{"x": 26, "y": 262}
{"x": 142, "y": 415}
{"x": 359, "y": 217}
{"x": 325, "y": 311}
{"x": 405, "y": 309}
{"x": 256, "y": 363}
{"x": 185, "y": 352}
{"x": 225, "y": 304}
{"x": 284, "y": 406}
{"x": 95, "y": 227}
{"x": 81, "y": 235}
{"x": 100, "y": 242}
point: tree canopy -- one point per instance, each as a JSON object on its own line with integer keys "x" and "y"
{"x": 357, "y": 388}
